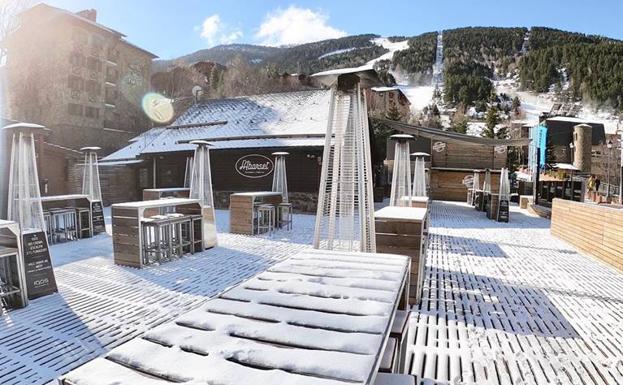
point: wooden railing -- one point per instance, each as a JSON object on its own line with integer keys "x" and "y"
{"x": 594, "y": 229}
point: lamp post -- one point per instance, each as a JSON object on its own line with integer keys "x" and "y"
{"x": 609, "y": 146}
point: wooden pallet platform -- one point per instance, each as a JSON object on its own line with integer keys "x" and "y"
{"x": 319, "y": 317}
{"x": 507, "y": 303}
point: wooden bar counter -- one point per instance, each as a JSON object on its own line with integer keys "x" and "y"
{"x": 400, "y": 230}
{"x": 126, "y": 225}
{"x": 150, "y": 194}
{"x": 241, "y": 209}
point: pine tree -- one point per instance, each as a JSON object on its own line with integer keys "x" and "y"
{"x": 392, "y": 112}
{"x": 491, "y": 120}
{"x": 460, "y": 126}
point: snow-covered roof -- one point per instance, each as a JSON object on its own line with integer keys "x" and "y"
{"x": 270, "y": 120}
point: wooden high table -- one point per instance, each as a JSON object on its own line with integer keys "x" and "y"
{"x": 79, "y": 202}
{"x": 150, "y": 194}
{"x": 317, "y": 318}
{"x": 126, "y": 225}
{"x": 241, "y": 206}
{"x": 14, "y": 292}
{"x": 401, "y": 230}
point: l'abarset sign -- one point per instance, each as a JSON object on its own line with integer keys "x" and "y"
{"x": 254, "y": 166}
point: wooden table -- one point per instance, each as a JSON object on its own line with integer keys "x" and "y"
{"x": 14, "y": 292}
{"x": 150, "y": 194}
{"x": 126, "y": 225}
{"x": 241, "y": 206}
{"x": 416, "y": 201}
{"x": 78, "y": 201}
{"x": 400, "y": 230}
{"x": 317, "y": 318}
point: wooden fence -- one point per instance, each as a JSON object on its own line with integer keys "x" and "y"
{"x": 596, "y": 230}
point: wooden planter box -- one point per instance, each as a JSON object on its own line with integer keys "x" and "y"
{"x": 400, "y": 230}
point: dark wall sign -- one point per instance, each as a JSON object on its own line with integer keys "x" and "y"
{"x": 503, "y": 211}
{"x": 254, "y": 166}
{"x": 97, "y": 213}
{"x": 40, "y": 279}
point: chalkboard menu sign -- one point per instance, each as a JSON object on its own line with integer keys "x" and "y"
{"x": 503, "y": 211}
{"x": 97, "y": 213}
{"x": 40, "y": 279}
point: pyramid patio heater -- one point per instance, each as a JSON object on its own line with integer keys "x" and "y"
{"x": 419, "y": 175}
{"x": 475, "y": 189}
{"x": 505, "y": 196}
{"x": 189, "y": 171}
{"x": 401, "y": 175}
{"x": 92, "y": 189}
{"x": 345, "y": 215}
{"x": 201, "y": 189}
{"x": 24, "y": 208}
{"x": 280, "y": 184}
{"x": 486, "y": 190}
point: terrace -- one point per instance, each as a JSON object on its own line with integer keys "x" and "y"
{"x": 412, "y": 290}
{"x": 501, "y": 303}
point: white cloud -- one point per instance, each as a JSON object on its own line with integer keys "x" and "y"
{"x": 295, "y": 25}
{"x": 215, "y": 32}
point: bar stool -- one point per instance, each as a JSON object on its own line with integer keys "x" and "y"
{"x": 63, "y": 225}
{"x": 157, "y": 242}
{"x": 84, "y": 222}
{"x": 284, "y": 215}
{"x": 47, "y": 219}
{"x": 196, "y": 233}
{"x": 180, "y": 239}
{"x": 265, "y": 218}
{"x": 70, "y": 224}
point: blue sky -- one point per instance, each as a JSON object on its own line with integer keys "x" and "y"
{"x": 172, "y": 28}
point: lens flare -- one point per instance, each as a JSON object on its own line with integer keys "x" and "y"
{"x": 158, "y": 108}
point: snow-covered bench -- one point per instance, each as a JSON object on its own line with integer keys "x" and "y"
{"x": 319, "y": 317}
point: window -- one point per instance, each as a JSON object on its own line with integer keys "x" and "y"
{"x": 97, "y": 44}
{"x": 76, "y": 59}
{"x": 110, "y": 124}
{"x": 75, "y": 83}
{"x": 111, "y": 74}
{"x": 92, "y": 112}
{"x": 113, "y": 55}
{"x": 94, "y": 64}
{"x": 75, "y": 109}
{"x": 93, "y": 87}
{"x": 111, "y": 95}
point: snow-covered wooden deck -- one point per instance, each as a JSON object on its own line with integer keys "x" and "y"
{"x": 506, "y": 303}
{"x": 101, "y": 305}
{"x": 510, "y": 304}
